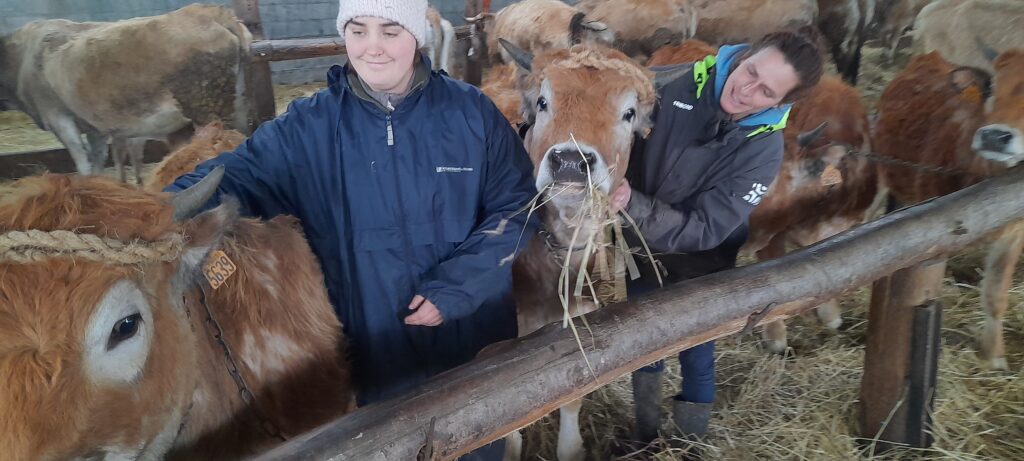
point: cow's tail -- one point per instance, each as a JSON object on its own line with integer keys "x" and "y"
{"x": 447, "y": 41}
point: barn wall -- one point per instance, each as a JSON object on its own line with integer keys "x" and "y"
{"x": 281, "y": 19}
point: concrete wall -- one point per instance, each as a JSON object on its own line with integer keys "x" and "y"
{"x": 281, "y": 19}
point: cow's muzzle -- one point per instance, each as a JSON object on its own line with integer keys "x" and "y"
{"x": 999, "y": 143}
{"x": 571, "y": 165}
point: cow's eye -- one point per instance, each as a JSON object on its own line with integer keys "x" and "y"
{"x": 123, "y": 330}
{"x": 629, "y": 115}
{"x": 542, "y": 104}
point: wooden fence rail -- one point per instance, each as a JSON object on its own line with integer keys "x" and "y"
{"x": 517, "y": 382}
{"x": 302, "y": 48}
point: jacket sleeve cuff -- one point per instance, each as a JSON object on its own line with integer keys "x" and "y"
{"x": 452, "y": 305}
{"x": 639, "y": 206}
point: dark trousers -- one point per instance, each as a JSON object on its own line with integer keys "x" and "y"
{"x": 697, "y": 366}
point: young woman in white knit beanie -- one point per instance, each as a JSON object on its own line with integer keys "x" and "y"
{"x": 381, "y": 38}
{"x": 399, "y": 176}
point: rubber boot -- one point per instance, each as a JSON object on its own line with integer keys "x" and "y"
{"x": 647, "y": 405}
{"x": 691, "y": 421}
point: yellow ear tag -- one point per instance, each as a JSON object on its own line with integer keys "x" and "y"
{"x": 831, "y": 176}
{"x": 218, "y": 268}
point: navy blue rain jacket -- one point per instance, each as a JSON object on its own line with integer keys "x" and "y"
{"x": 396, "y": 205}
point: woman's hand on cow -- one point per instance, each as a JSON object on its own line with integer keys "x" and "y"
{"x": 620, "y": 197}
{"x": 426, "y": 313}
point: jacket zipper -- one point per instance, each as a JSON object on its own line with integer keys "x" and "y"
{"x": 391, "y": 133}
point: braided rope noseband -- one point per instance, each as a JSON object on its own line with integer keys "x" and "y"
{"x": 35, "y": 246}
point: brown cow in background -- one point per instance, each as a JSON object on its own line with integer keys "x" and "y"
{"x": 971, "y": 123}
{"x": 802, "y": 206}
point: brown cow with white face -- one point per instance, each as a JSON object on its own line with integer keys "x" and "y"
{"x": 936, "y": 114}
{"x": 584, "y": 106}
{"x": 105, "y": 347}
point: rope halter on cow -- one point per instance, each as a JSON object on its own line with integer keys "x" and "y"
{"x": 36, "y": 246}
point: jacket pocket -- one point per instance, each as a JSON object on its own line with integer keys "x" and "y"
{"x": 440, "y": 233}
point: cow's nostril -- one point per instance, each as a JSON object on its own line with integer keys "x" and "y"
{"x": 996, "y": 138}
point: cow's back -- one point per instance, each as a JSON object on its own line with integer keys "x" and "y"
{"x": 923, "y": 119}
{"x": 733, "y": 21}
{"x": 689, "y": 51}
{"x": 955, "y": 27}
{"x": 129, "y": 76}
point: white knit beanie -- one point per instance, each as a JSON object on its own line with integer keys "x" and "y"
{"x": 410, "y": 14}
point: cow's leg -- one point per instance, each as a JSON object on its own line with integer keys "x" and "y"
{"x": 119, "y": 152}
{"x": 570, "y": 442}
{"x": 774, "y": 334}
{"x": 513, "y": 446}
{"x": 67, "y": 132}
{"x": 98, "y": 150}
{"x": 999, "y": 265}
{"x": 829, "y": 314}
{"x": 136, "y": 146}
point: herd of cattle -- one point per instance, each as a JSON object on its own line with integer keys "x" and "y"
{"x": 108, "y": 359}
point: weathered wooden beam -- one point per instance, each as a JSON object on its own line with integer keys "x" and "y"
{"x": 302, "y": 48}
{"x": 15, "y": 165}
{"x": 901, "y": 357}
{"x": 259, "y": 85}
{"x": 516, "y": 382}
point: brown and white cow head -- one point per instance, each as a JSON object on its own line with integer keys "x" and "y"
{"x": 1001, "y": 138}
{"x": 584, "y": 104}
{"x": 91, "y": 350}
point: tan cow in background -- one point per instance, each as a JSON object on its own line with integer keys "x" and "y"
{"x": 960, "y": 30}
{"x": 541, "y": 25}
{"x": 643, "y": 26}
{"x": 741, "y": 21}
{"x": 132, "y": 80}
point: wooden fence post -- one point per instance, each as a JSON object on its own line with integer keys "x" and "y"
{"x": 901, "y": 358}
{"x": 259, "y": 85}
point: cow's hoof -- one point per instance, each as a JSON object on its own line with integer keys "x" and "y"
{"x": 998, "y": 363}
{"x": 776, "y": 346}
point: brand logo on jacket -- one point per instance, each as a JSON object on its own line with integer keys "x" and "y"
{"x": 682, "y": 105}
{"x": 454, "y": 169}
{"x": 756, "y": 194}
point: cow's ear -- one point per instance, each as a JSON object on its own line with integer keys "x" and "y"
{"x": 971, "y": 82}
{"x": 203, "y": 233}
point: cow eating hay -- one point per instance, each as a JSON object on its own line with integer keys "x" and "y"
{"x": 584, "y": 106}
